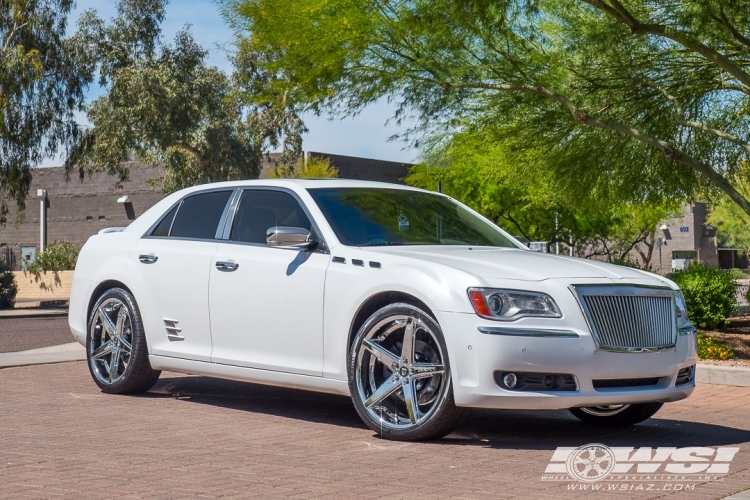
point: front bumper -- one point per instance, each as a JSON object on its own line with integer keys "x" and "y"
{"x": 475, "y": 356}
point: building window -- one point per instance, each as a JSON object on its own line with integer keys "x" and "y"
{"x": 89, "y": 217}
{"x": 101, "y": 217}
{"x": 685, "y": 254}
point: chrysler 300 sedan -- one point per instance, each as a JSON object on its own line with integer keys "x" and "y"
{"x": 405, "y": 300}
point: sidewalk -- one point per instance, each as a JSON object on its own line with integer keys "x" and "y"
{"x": 55, "y": 354}
{"x": 33, "y": 313}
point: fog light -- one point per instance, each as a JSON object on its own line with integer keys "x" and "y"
{"x": 510, "y": 380}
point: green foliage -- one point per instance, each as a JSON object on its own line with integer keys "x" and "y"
{"x": 709, "y": 294}
{"x": 733, "y": 223}
{"x": 8, "y": 287}
{"x": 163, "y": 105}
{"x": 709, "y": 348}
{"x": 484, "y": 173}
{"x": 315, "y": 167}
{"x": 637, "y": 101}
{"x": 59, "y": 256}
{"x": 43, "y": 76}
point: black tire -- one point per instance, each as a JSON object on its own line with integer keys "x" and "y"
{"x": 433, "y": 393}
{"x": 631, "y": 415}
{"x": 133, "y": 373}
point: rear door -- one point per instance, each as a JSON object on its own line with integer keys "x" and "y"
{"x": 171, "y": 274}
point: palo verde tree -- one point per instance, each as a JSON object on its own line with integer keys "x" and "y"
{"x": 43, "y": 76}
{"x": 483, "y": 174}
{"x": 163, "y": 105}
{"x": 657, "y": 93}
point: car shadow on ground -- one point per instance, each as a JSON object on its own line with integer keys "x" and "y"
{"x": 504, "y": 429}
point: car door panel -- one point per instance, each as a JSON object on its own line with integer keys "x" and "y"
{"x": 170, "y": 270}
{"x": 176, "y": 322}
{"x": 267, "y": 310}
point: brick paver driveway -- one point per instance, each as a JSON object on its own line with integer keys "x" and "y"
{"x": 197, "y": 437}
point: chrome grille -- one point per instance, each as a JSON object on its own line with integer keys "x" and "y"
{"x": 630, "y": 318}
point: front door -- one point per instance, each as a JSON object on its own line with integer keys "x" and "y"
{"x": 170, "y": 274}
{"x": 267, "y": 303}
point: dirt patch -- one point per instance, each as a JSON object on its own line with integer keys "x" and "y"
{"x": 738, "y": 324}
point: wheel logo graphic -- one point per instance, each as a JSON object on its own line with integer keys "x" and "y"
{"x": 590, "y": 462}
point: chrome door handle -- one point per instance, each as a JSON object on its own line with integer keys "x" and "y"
{"x": 226, "y": 265}
{"x": 148, "y": 258}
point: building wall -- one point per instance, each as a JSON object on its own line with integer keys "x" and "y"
{"x": 686, "y": 234}
{"x": 78, "y": 209}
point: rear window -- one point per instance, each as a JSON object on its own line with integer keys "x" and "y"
{"x": 198, "y": 216}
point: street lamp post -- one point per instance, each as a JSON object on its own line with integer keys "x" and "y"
{"x": 42, "y": 194}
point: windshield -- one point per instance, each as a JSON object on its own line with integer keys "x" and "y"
{"x": 370, "y": 217}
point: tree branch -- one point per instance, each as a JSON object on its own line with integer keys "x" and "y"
{"x": 693, "y": 124}
{"x": 637, "y": 27}
{"x": 190, "y": 149}
{"x": 732, "y": 30}
{"x": 668, "y": 149}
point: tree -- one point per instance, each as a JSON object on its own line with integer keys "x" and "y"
{"x": 731, "y": 222}
{"x": 484, "y": 175}
{"x": 640, "y": 98}
{"x": 316, "y": 167}
{"x": 164, "y": 106}
{"x": 43, "y": 76}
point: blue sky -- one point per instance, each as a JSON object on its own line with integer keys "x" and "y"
{"x": 365, "y": 135}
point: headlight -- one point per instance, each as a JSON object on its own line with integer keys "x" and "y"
{"x": 684, "y": 326}
{"x": 510, "y": 305}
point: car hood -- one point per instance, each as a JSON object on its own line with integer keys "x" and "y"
{"x": 516, "y": 264}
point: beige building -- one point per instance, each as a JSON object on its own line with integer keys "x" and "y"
{"x": 690, "y": 238}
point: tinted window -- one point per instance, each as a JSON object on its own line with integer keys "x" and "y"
{"x": 260, "y": 210}
{"x": 199, "y": 215}
{"x": 369, "y": 217}
{"x": 163, "y": 228}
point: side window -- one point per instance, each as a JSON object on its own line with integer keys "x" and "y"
{"x": 260, "y": 210}
{"x": 166, "y": 223}
{"x": 199, "y": 215}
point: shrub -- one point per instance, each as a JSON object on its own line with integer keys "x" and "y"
{"x": 8, "y": 287}
{"x": 709, "y": 348}
{"x": 315, "y": 167}
{"x": 709, "y": 294}
{"x": 59, "y": 256}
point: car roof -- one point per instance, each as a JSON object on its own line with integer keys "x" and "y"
{"x": 308, "y": 184}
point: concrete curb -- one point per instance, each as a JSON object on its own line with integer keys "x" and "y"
{"x": 722, "y": 375}
{"x": 33, "y": 313}
{"x": 55, "y": 354}
{"x": 742, "y": 495}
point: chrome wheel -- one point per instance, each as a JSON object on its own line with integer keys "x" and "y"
{"x": 604, "y": 410}
{"x": 401, "y": 372}
{"x": 110, "y": 341}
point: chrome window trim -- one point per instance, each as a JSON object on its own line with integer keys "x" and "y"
{"x": 580, "y": 290}
{"x": 322, "y": 245}
{"x": 528, "y": 332}
{"x": 178, "y": 204}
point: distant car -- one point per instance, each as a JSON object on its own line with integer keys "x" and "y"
{"x": 406, "y": 300}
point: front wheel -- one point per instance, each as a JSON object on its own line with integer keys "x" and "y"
{"x": 399, "y": 375}
{"x": 616, "y": 415}
{"x": 116, "y": 345}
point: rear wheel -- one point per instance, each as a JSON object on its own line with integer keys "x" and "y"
{"x": 616, "y": 415}
{"x": 399, "y": 375}
{"x": 116, "y": 345}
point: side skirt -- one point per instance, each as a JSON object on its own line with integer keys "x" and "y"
{"x": 254, "y": 375}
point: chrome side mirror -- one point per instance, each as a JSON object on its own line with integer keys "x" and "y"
{"x": 289, "y": 237}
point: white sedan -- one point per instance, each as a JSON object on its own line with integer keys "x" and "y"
{"x": 406, "y": 300}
